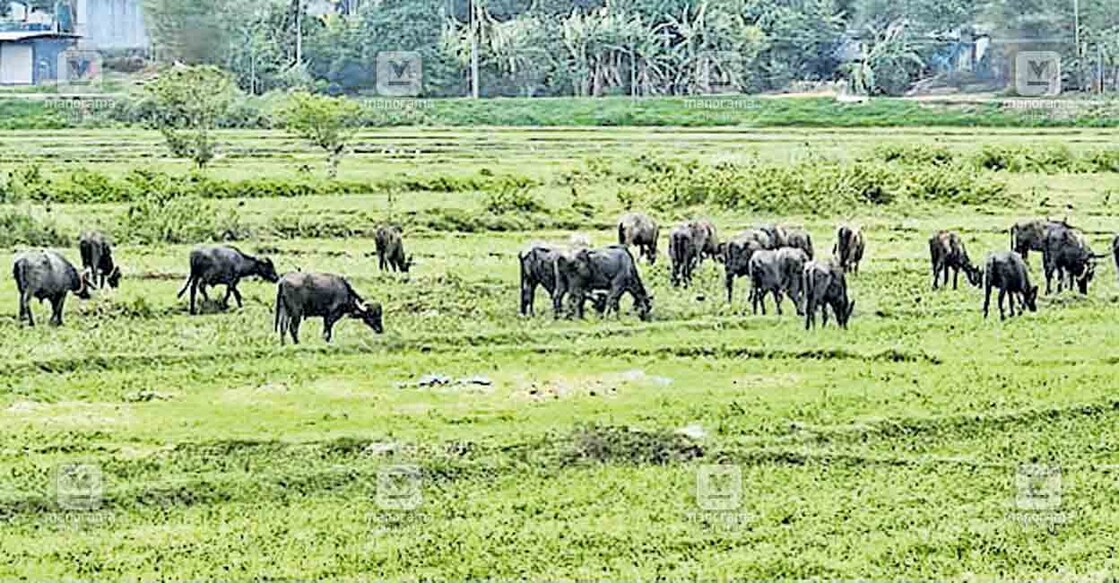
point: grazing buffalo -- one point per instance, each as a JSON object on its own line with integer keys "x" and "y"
{"x": 800, "y": 239}
{"x": 224, "y": 266}
{"x": 612, "y": 269}
{"x": 46, "y": 275}
{"x": 778, "y": 236}
{"x": 640, "y": 230}
{"x": 538, "y": 268}
{"x": 1027, "y": 236}
{"x": 947, "y": 251}
{"x": 777, "y": 272}
{"x": 309, "y": 295}
{"x": 688, "y": 244}
{"x": 737, "y": 253}
{"x": 849, "y": 247}
{"x": 390, "y": 249}
{"x": 1115, "y": 252}
{"x": 97, "y": 258}
{"x": 1007, "y": 271}
{"x": 1066, "y": 253}
{"x": 825, "y": 285}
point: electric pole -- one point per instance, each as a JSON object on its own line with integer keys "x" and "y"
{"x": 473, "y": 49}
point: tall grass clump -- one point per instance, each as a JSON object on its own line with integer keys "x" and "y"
{"x": 25, "y": 227}
{"x": 170, "y": 217}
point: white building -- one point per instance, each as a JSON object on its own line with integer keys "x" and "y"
{"x": 111, "y": 24}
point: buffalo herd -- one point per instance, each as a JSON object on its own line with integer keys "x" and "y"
{"x": 776, "y": 260}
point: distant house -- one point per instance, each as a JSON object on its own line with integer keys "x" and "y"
{"x": 30, "y": 57}
{"x": 111, "y": 24}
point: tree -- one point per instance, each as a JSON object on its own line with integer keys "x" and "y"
{"x": 326, "y": 122}
{"x": 186, "y": 103}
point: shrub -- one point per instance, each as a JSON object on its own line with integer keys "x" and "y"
{"x": 24, "y": 227}
{"x": 512, "y": 197}
{"x": 162, "y": 217}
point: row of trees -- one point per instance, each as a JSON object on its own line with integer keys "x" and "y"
{"x": 635, "y": 47}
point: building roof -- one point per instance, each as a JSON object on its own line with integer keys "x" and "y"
{"x": 18, "y": 35}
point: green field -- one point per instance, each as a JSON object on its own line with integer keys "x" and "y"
{"x": 893, "y": 449}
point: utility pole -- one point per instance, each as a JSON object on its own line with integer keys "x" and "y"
{"x": 299, "y": 33}
{"x": 1079, "y": 56}
{"x": 473, "y": 49}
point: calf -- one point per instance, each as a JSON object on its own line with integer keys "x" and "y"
{"x": 825, "y": 285}
{"x": 640, "y": 230}
{"x": 1026, "y": 236}
{"x": 390, "y": 249}
{"x": 612, "y": 269}
{"x": 947, "y": 251}
{"x": 800, "y": 239}
{"x": 538, "y": 269}
{"x": 224, "y": 266}
{"x": 777, "y": 272}
{"x": 97, "y": 259}
{"x": 1007, "y": 271}
{"x": 737, "y": 253}
{"x": 302, "y": 295}
{"x": 46, "y": 275}
{"x": 1066, "y": 254}
{"x": 849, "y": 247}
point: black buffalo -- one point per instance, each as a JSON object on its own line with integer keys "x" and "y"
{"x": 825, "y": 285}
{"x": 641, "y": 230}
{"x": 1007, "y": 271}
{"x": 97, "y": 258}
{"x": 1067, "y": 255}
{"x": 302, "y": 295}
{"x": 46, "y": 275}
{"x": 849, "y": 247}
{"x": 611, "y": 269}
{"x": 390, "y": 249}
{"x": 947, "y": 252}
{"x": 538, "y": 269}
{"x": 224, "y": 266}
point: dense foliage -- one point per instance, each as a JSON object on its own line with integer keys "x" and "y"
{"x": 637, "y": 47}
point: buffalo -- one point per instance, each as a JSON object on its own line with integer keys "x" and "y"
{"x": 777, "y": 272}
{"x": 737, "y": 253}
{"x": 1115, "y": 252}
{"x": 97, "y": 258}
{"x": 612, "y": 269}
{"x": 1066, "y": 254}
{"x": 224, "y": 266}
{"x": 825, "y": 285}
{"x": 849, "y": 247}
{"x": 1007, "y": 271}
{"x": 1026, "y": 236}
{"x": 640, "y": 230}
{"x": 302, "y": 295}
{"x": 390, "y": 249}
{"x": 538, "y": 269}
{"x": 947, "y": 252}
{"x": 46, "y": 275}
{"x": 800, "y": 239}
{"x": 688, "y": 244}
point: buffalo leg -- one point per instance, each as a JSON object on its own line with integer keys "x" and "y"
{"x": 730, "y": 287}
{"x": 236, "y": 295}
{"x": 25, "y": 309}
{"x": 777, "y": 300}
{"x": 1002, "y": 309}
{"x": 294, "y": 328}
{"x": 528, "y": 298}
{"x": 193, "y": 294}
{"x": 328, "y": 322}
{"x": 987, "y": 300}
{"x": 955, "y": 278}
{"x": 56, "y": 309}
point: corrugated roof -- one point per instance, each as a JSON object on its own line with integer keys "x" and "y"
{"x": 17, "y": 35}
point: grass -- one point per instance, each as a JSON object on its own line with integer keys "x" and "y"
{"x": 891, "y": 449}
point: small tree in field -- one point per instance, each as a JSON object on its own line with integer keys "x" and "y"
{"x": 327, "y": 122}
{"x": 186, "y": 103}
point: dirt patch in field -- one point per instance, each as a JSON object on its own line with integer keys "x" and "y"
{"x": 68, "y": 413}
{"x": 591, "y": 385}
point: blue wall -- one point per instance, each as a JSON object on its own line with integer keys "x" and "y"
{"x": 45, "y": 53}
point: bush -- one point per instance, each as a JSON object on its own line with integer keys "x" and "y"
{"x": 24, "y": 227}
{"x": 162, "y": 217}
{"x": 512, "y": 197}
